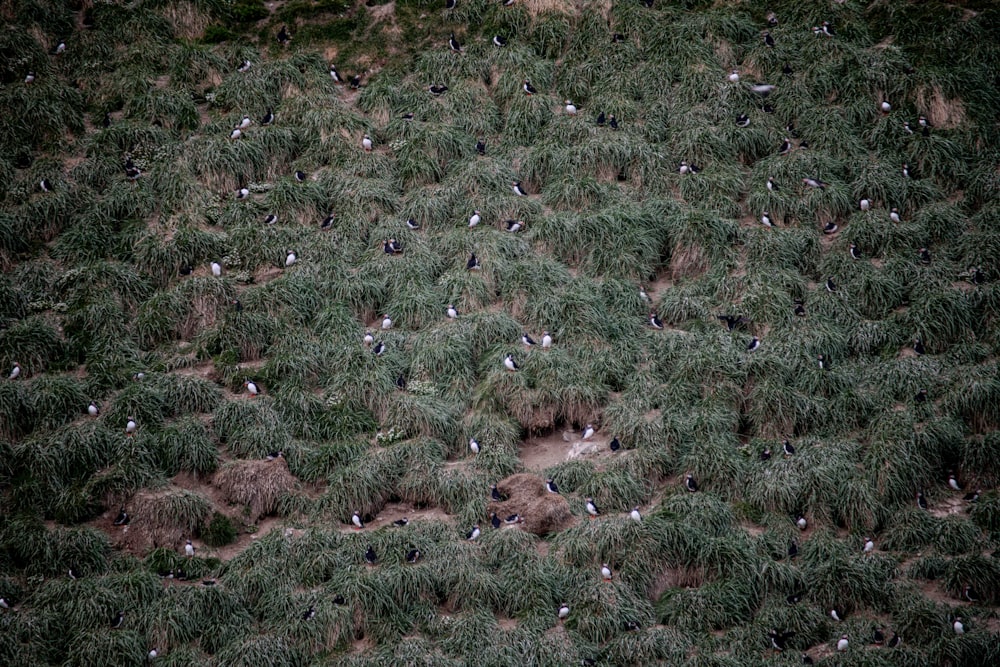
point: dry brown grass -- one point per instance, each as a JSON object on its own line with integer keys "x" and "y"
{"x": 163, "y": 518}
{"x": 940, "y": 111}
{"x": 687, "y": 262}
{"x": 259, "y": 485}
{"x": 543, "y": 512}
{"x": 187, "y": 21}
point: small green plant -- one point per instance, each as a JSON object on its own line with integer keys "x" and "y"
{"x": 219, "y": 531}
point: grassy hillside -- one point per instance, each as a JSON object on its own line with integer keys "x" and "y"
{"x": 189, "y": 217}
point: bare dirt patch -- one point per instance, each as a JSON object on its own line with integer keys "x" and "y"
{"x": 543, "y": 452}
{"x": 542, "y": 512}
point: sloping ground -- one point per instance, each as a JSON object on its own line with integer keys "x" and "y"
{"x": 156, "y": 262}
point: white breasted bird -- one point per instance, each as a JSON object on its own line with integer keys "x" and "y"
{"x": 366, "y": 143}
{"x": 473, "y": 445}
{"x": 474, "y": 218}
{"x": 509, "y": 363}
{"x": 842, "y": 643}
{"x": 188, "y": 549}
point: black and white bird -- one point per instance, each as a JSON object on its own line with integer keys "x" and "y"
{"x": 499, "y": 41}
{"x": 366, "y": 143}
{"x": 958, "y": 626}
{"x": 495, "y": 521}
{"x": 799, "y": 309}
{"x": 601, "y": 119}
{"x": 15, "y": 371}
{"x": 386, "y": 321}
{"x": 399, "y": 523}
{"x": 972, "y": 496}
{"x": 794, "y": 598}
{"x": 606, "y": 573}
{"x": 378, "y": 349}
{"x": 495, "y": 494}
{"x": 615, "y": 444}
{"x": 357, "y": 521}
{"x": 267, "y": 118}
{"x": 743, "y": 120}
{"x": 765, "y": 219}
{"x": 188, "y": 549}
{"x": 690, "y": 483}
{"x": 412, "y": 556}
{"x": 245, "y": 123}
{"x": 437, "y": 89}
{"x": 786, "y": 448}
{"x": 335, "y": 75}
{"x": 613, "y": 123}
{"x": 786, "y": 146}
{"x": 592, "y": 510}
{"x": 123, "y": 518}
{"x": 45, "y": 185}
{"x": 822, "y": 362}
{"x": 309, "y": 613}
{"x": 569, "y": 108}
{"x": 732, "y": 321}
{"x": 830, "y": 285}
{"x": 779, "y": 640}
{"x": 654, "y": 321}
{"x": 918, "y": 346}
{"x": 392, "y": 247}
{"x": 925, "y": 256}
{"x": 734, "y": 76}
{"x": 765, "y": 454}
{"x": 474, "y": 218}
{"x": 355, "y": 82}
{"x": 768, "y": 39}
{"x": 878, "y": 636}
{"x": 514, "y": 226}
{"x": 290, "y": 258}
{"x": 509, "y": 363}
{"x": 843, "y": 643}
{"x": 753, "y": 345}
{"x": 412, "y": 224}
{"x": 450, "y": 4}
{"x": 801, "y": 522}
{"x": 827, "y": 29}
{"x": 451, "y": 312}
{"x": 29, "y": 77}
{"x": 528, "y": 88}
{"x": 481, "y": 147}
{"x": 132, "y": 172}
{"x": 953, "y": 483}
{"x": 885, "y": 107}
{"x": 635, "y": 515}
{"x": 895, "y": 641}
{"x": 921, "y": 396}
{"x": 865, "y": 204}
{"x": 513, "y": 518}
{"x": 370, "y": 556}
{"x": 836, "y": 615}
{"x": 516, "y": 188}
{"x": 93, "y": 410}
{"x": 588, "y": 432}
{"x": 236, "y": 133}
{"x": 473, "y": 534}
{"x": 906, "y": 170}
{"x": 868, "y": 545}
{"x": 472, "y": 264}
{"x": 763, "y": 89}
{"x": 300, "y": 176}
{"x": 970, "y": 594}
{"x": 546, "y": 340}
{"x": 130, "y": 426}
{"x": 118, "y": 621}
{"x": 855, "y": 253}
{"x": 327, "y": 222}
{"x": 454, "y": 44}
{"x": 283, "y": 36}
{"x": 771, "y": 185}
{"x": 921, "y": 500}
{"x": 550, "y": 486}
{"x": 894, "y": 214}
{"x": 473, "y": 445}
{"x": 563, "y": 611}
{"x": 814, "y": 183}
{"x": 527, "y": 340}
{"x": 270, "y": 219}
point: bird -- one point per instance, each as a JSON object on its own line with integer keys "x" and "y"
{"x": 527, "y": 340}
{"x": 918, "y": 346}
{"x": 592, "y": 508}
{"x": 921, "y": 500}
{"x": 386, "y": 321}
{"x": 499, "y": 41}
{"x": 546, "y": 340}
{"x": 772, "y": 19}
{"x": 654, "y": 321}
{"x": 907, "y": 127}
{"x": 615, "y": 444}
{"x": 188, "y": 549}
{"x": 472, "y": 264}
{"x": 958, "y": 626}
{"x": 921, "y": 396}
{"x": 123, "y": 518}
{"x": 355, "y": 82}
{"x": 570, "y": 108}
{"x": 842, "y": 643}
{"x": 290, "y": 259}
{"x": 300, "y": 176}
{"x": 15, "y": 372}
{"x": 138, "y": 376}
{"x": 753, "y": 345}
{"x": 765, "y": 219}
{"x": 690, "y": 483}
{"x": 528, "y": 88}
{"x": 412, "y": 224}
{"x": 763, "y": 89}
{"x": 437, "y": 89}
{"x": 366, "y": 143}
{"x": 734, "y": 76}
{"x": 606, "y": 573}
{"x": 106, "y": 121}
{"x": 495, "y": 494}
{"x": 93, "y": 410}
{"x": 273, "y": 456}
{"x": 130, "y": 426}
{"x": 800, "y": 308}
{"x": 786, "y": 146}
{"x": 4, "y": 604}
{"x": 925, "y": 256}
{"x": 800, "y": 521}
{"x": 495, "y": 521}
{"x": 823, "y": 362}
{"x": 830, "y": 285}
{"x": 454, "y": 44}
{"x": 855, "y": 253}
{"x": 894, "y": 214}
{"x": 765, "y": 454}
{"x": 768, "y": 39}
{"x": 877, "y": 636}
{"x": 601, "y": 119}
{"x": 972, "y": 496}
{"x": 953, "y": 483}
{"x": 327, "y": 222}
{"x": 906, "y": 170}
{"x": 551, "y": 486}
{"x": 515, "y": 186}
{"x": 451, "y": 312}
{"x": 509, "y": 363}
{"x": 401, "y": 522}
{"x": 335, "y": 75}
{"x": 270, "y": 218}
{"x": 283, "y": 36}
{"x": 370, "y": 556}
{"x": 635, "y": 515}
{"x": 216, "y": 269}
{"x": 379, "y": 349}
{"x": 473, "y": 445}
{"x": 267, "y": 118}
{"x": 794, "y": 598}
{"x": 514, "y": 225}
{"x": 683, "y": 167}
{"x": 895, "y": 641}
{"x": 132, "y": 172}
{"x": 786, "y": 448}
{"x": 563, "y": 611}
{"x": 474, "y": 218}
{"x": 472, "y": 534}
{"x": 743, "y": 120}
{"x": 450, "y": 4}
{"x": 236, "y": 133}
{"x": 588, "y": 432}
{"x": 356, "y": 520}
{"x": 412, "y": 556}
{"x": 369, "y": 338}
{"x": 814, "y": 183}
{"x": 885, "y": 107}
{"x": 245, "y": 123}
{"x": 868, "y": 546}
{"x": 60, "y": 48}
{"x": 865, "y": 204}
{"x": 309, "y": 613}
{"x": 118, "y": 620}
{"x": 771, "y": 185}
{"x": 779, "y": 639}
{"x": 827, "y": 29}
{"x": 481, "y": 147}
{"x": 29, "y": 77}
{"x": 513, "y": 518}
{"x": 970, "y": 594}
{"x": 836, "y": 615}
{"x": 732, "y": 321}
{"x": 45, "y": 185}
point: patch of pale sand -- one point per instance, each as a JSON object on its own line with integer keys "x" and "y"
{"x": 539, "y": 453}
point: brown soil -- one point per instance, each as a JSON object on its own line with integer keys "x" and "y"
{"x": 539, "y": 453}
{"x": 542, "y": 512}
